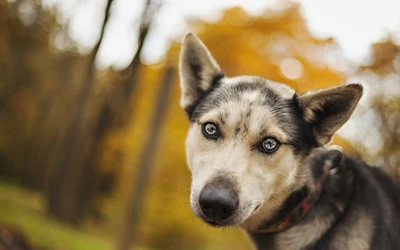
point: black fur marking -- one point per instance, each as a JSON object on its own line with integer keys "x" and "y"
{"x": 304, "y": 139}
{"x": 237, "y": 131}
{"x": 263, "y": 132}
{"x": 291, "y": 122}
{"x": 196, "y": 69}
{"x": 202, "y": 94}
{"x": 232, "y": 93}
{"x": 221, "y": 119}
{"x": 225, "y": 115}
{"x": 245, "y": 128}
{"x": 248, "y": 114}
{"x": 217, "y": 78}
{"x": 292, "y": 201}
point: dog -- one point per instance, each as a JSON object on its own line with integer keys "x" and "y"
{"x": 256, "y": 151}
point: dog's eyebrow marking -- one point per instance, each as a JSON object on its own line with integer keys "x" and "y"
{"x": 221, "y": 119}
{"x": 245, "y": 128}
{"x": 237, "y": 131}
{"x": 248, "y": 113}
{"x": 224, "y": 114}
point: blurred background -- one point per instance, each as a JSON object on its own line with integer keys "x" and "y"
{"x": 91, "y": 133}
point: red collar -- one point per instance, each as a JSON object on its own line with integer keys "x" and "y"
{"x": 289, "y": 219}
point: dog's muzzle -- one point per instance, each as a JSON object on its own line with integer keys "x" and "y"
{"x": 218, "y": 202}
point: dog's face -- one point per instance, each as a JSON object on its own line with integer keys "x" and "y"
{"x": 249, "y": 137}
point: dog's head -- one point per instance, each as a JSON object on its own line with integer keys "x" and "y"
{"x": 249, "y": 137}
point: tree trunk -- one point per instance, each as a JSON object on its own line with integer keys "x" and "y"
{"x": 63, "y": 196}
{"x": 144, "y": 27}
{"x": 124, "y": 94}
{"x": 130, "y": 232}
{"x": 77, "y": 178}
{"x": 114, "y": 113}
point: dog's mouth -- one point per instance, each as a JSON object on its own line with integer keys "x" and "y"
{"x": 213, "y": 223}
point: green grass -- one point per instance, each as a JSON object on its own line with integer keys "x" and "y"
{"x": 24, "y": 209}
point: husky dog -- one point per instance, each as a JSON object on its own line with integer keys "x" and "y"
{"x": 251, "y": 148}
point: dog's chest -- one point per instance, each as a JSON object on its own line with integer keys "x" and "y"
{"x": 301, "y": 236}
{"x": 355, "y": 235}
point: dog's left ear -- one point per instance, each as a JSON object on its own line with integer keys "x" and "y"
{"x": 198, "y": 71}
{"x": 327, "y": 110}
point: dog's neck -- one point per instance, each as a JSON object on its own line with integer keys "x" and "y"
{"x": 297, "y": 204}
{"x": 322, "y": 209}
{"x": 293, "y": 209}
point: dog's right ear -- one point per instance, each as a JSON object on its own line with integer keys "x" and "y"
{"x": 198, "y": 71}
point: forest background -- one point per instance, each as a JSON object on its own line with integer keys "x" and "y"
{"x": 91, "y": 132}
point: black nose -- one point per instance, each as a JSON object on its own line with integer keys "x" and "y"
{"x": 218, "y": 203}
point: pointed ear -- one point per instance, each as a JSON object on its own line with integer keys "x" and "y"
{"x": 327, "y": 110}
{"x": 198, "y": 71}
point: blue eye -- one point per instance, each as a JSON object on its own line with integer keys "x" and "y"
{"x": 210, "y": 130}
{"x": 269, "y": 145}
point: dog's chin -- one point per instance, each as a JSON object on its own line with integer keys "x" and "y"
{"x": 214, "y": 223}
{"x": 217, "y": 223}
